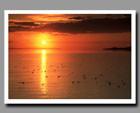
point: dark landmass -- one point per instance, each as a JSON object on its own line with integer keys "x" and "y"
{"x": 119, "y": 48}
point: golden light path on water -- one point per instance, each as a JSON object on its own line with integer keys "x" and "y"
{"x": 43, "y": 80}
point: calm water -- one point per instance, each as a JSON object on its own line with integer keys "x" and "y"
{"x": 40, "y": 74}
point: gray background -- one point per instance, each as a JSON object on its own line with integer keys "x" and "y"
{"x": 63, "y": 5}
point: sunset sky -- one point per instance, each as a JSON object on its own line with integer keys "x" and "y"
{"x": 69, "y": 31}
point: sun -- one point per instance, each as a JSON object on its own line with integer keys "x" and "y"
{"x": 43, "y": 51}
{"x": 43, "y": 42}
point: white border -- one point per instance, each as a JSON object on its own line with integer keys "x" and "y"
{"x": 72, "y": 101}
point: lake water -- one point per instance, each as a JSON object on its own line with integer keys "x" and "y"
{"x": 39, "y": 74}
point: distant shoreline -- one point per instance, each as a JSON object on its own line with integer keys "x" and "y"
{"x": 119, "y": 48}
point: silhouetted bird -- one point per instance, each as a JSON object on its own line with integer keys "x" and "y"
{"x": 95, "y": 78}
{"x": 109, "y": 83}
{"x": 118, "y": 86}
{"x": 124, "y": 83}
{"x": 78, "y": 82}
{"x": 21, "y": 82}
{"x": 84, "y": 76}
{"x": 101, "y": 74}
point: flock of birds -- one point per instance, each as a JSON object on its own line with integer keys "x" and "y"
{"x": 97, "y": 79}
{"x": 84, "y": 77}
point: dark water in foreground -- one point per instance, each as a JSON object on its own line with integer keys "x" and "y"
{"x": 69, "y": 75}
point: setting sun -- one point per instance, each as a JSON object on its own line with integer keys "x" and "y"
{"x": 43, "y": 51}
{"x": 43, "y": 42}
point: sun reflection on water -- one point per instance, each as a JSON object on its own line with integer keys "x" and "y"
{"x": 43, "y": 80}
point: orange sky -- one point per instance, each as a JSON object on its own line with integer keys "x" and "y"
{"x": 69, "y": 31}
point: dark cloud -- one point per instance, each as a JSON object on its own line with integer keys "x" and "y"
{"x": 18, "y": 28}
{"x": 77, "y": 18}
{"x": 97, "y": 16}
{"x": 102, "y": 25}
{"x": 88, "y": 25}
{"x": 24, "y": 23}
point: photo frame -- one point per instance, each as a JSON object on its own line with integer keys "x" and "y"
{"x": 68, "y": 100}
